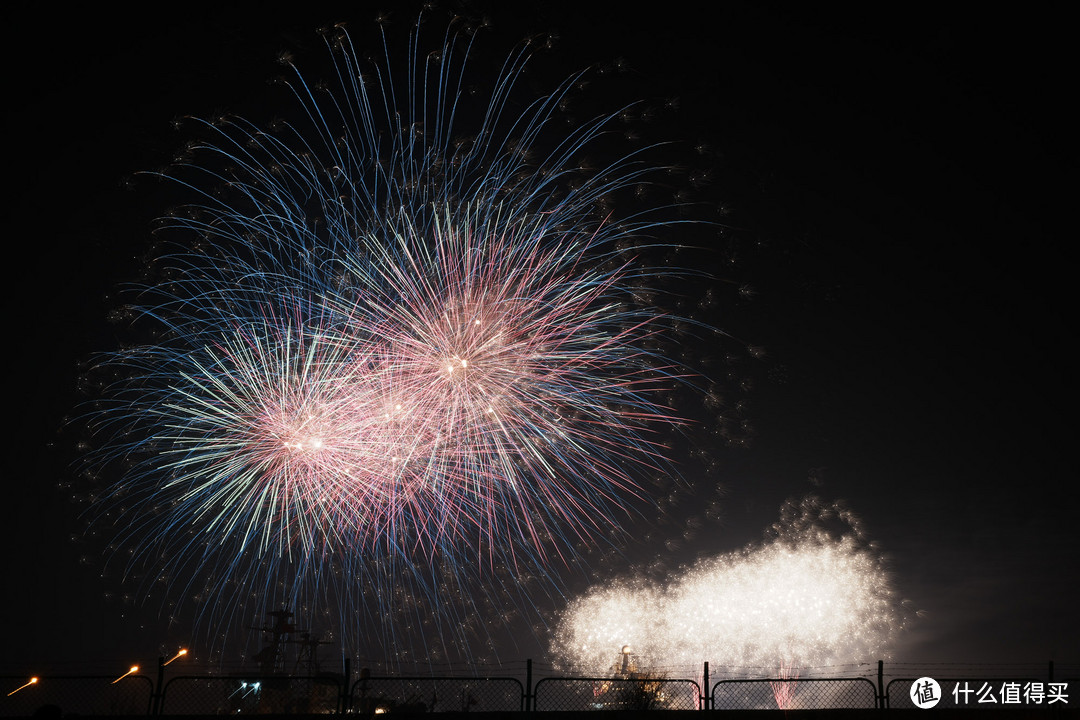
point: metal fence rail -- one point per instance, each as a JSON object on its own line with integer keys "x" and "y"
{"x": 581, "y": 694}
{"x": 81, "y": 695}
{"x": 794, "y": 693}
{"x": 244, "y": 695}
{"x": 436, "y": 694}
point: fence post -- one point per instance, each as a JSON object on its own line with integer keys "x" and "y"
{"x": 705, "y": 694}
{"x": 346, "y": 690}
{"x": 881, "y": 684}
{"x": 528, "y": 685}
{"x": 155, "y": 705}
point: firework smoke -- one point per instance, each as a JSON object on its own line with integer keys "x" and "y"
{"x": 816, "y": 593}
{"x": 395, "y": 358}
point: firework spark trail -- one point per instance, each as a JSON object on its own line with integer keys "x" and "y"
{"x": 815, "y": 594}
{"x": 784, "y": 689}
{"x": 384, "y": 351}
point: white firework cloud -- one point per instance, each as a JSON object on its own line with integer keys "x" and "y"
{"x": 815, "y": 593}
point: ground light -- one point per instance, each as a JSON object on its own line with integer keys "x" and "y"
{"x": 32, "y": 681}
{"x": 134, "y": 669}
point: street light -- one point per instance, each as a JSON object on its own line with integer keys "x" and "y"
{"x": 177, "y": 655}
{"x": 33, "y": 681}
{"x": 134, "y": 669}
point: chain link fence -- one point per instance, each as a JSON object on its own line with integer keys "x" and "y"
{"x": 248, "y": 695}
{"x": 583, "y": 694}
{"x": 329, "y": 694}
{"x": 78, "y": 695}
{"x": 436, "y": 694}
{"x": 795, "y": 694}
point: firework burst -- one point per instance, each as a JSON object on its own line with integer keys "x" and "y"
{"x": 388, "y": 354}
{"x": 815, "y": 594}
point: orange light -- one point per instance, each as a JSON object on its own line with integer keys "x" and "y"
{"x": 134, "y": 669}
{"x": 177, "y": 655}
{"x": 32, "y": 681}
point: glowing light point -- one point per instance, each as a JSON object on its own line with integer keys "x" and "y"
{"x": 179, "y": 654}
{"x": 134, "y": 669}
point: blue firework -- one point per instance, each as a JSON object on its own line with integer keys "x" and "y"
{"x": 400, "y": 358}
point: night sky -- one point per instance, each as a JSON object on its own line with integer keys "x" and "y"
{"x": 896, "y": 188}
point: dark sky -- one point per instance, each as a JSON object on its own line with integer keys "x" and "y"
{"x": 897, "y": 185}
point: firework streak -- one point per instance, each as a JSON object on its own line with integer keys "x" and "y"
{"x": 390, "y": 358}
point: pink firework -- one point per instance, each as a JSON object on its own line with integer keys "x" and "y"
{"x": 390, "y": 361}
{"x": 512, "y": 395}
{"x": 783, "y": 689}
